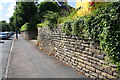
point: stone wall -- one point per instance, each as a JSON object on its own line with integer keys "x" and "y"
{"x": 29, "y": 34}
{"x": 84, "y": 55}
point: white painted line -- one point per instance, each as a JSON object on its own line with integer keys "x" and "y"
{"x": 8, "y": 61}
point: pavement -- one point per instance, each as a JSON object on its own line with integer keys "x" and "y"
{"x": 28, "y": 61}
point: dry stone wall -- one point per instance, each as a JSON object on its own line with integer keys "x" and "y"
{"x": 29, "y": 34}
{"x": 82, "y": 54}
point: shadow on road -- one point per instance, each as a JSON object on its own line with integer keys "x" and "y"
{"x": 1, "y": 42}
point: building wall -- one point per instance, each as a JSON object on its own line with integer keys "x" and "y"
{"x": 86, "y": 8}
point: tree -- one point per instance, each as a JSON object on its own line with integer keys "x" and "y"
{"x": 44, "y": 7}
{"x": 4, "y": 26}
{"x": 26, "y": 10}
{"x": 12, "y": 23}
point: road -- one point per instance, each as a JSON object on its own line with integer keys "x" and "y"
{"x": 4, "y": 52}
{"x": 28, "y": 61}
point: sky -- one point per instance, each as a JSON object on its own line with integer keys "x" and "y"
{"x": 7, "y": 8}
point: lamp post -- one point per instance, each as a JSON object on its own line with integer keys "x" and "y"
{"x": 16, "y": 23}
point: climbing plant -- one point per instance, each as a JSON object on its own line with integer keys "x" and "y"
{"x": 102, "y": 25}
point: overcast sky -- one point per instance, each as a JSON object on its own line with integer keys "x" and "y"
{"x": 7, "y": 8}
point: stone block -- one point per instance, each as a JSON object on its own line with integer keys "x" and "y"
{"x": 100, "y": 76}
{"x": 86, "y": 45}
{"x": 85, "y": 52}
{"x": 92, "y": 47}
{"x": 102, "y": 61}
{"x": 77, "y": 53}
{"x": 86, "y": 59}
{"x": 93, "y": 61}
{"x": 113, "y": 66}
{"x": 87, "y": 49}
{"x": 84, "y": 55}
{"x": 90, "y": 68}
{"x": 81, "y": 57}
{"x": 87, "y": 63}
{"x": 104, "y": 73}
{"x": 86, "y": 42}
{"x": 80, "y": 60}
{"x": 87, "y": 74}
{"x": 100, "y": 57}
{"x": 108, "y": 68}
{"x": 99, "y": 63}
{"x": 81, "y": 47}
{"x": 114, "y": 69}
{"x": 114, "y": 73}
{"x": 78, "y": 66}
{"x": 76, "y": 62}
{"x": 72, "y": 60}
{"x": 96, "y": 59}
{"x": 82, "y": 65}
{"x": 86, "y": 70}
{"x": 98, "y": 71}
{"x": 90, "y": 54}
{"x": 78, "y": 50}
{"x": 112, "y": 77}
{"x": 95, "y": 51}
{"x": 94, "y": 74}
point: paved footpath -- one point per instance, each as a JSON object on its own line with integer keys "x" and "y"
{"x": 27, "y": 61}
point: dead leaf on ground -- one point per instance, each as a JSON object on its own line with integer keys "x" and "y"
{"x": 66, "y": 64}
{"x": 37, "y": 44}
{"x": 80, "y": 72}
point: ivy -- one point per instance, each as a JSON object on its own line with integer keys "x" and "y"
{"x": 67, "y": 28}
{"x": 104, "y": 26}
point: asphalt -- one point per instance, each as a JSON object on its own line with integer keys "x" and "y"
{"x": 5, "y": 46}
{"x": 28, "y": 61}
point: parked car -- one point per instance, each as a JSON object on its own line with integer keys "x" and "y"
{"x": 4, "y": 35}
{"x": 10, "y": 33}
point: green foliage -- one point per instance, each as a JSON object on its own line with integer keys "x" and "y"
{"x": 26, "y": 11}
{"x": 103, "y": 25}
{"x": 67, "y": 18}
{"x": 42, "y": 24}
{"x": 44, "y": 7}
{"x": 12, "y": 23}
{"x": 67, "y": 28}
{"x": 4, "y": 26}
{"x": 28, "y": 27}
{"x": 52, "y": 18}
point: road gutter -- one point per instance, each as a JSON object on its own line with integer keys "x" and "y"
{"x": 8, "y": 61}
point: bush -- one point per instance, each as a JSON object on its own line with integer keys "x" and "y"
{"x": 42, "y": 24}
{"x": 28, "y": 27}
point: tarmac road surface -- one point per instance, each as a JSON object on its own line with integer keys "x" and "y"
{"x": 5, "y": 46}
{"x": 27, "y": 61}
